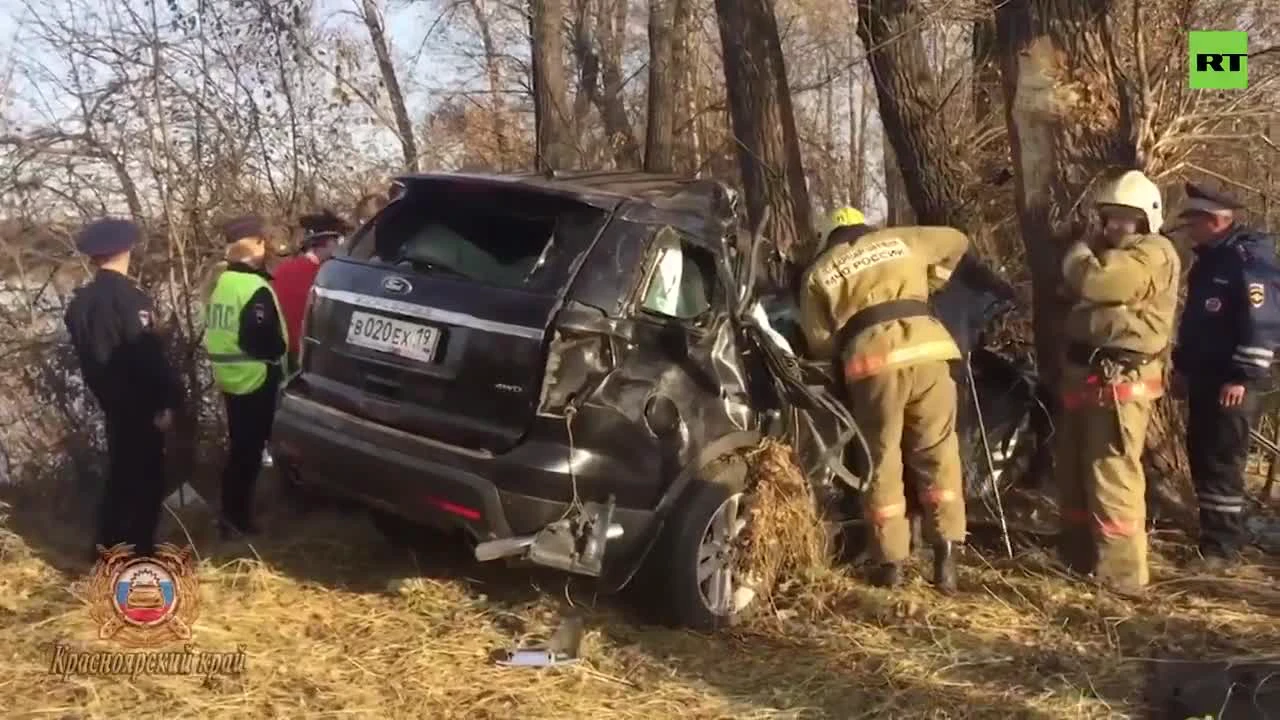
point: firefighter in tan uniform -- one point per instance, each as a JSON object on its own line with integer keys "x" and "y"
{"x": 864, "y": 303}
{"x": 1123, "y": 287}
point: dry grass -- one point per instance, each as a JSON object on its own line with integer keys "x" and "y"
{"x": 785, "y": 549}
{"x": 332, "y": 630}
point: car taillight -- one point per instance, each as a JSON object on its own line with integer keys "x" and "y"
{"x": 455, "y": 509}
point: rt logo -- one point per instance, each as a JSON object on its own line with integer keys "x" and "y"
{"x": 1219, "y": 60}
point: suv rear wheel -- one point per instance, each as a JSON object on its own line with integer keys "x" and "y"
{"x": 705, "y": 589}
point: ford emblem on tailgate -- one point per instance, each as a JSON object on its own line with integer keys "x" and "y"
{"x": 396, "y": 285}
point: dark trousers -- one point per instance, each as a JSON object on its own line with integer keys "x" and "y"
{"x": 134, "y": 493}
{"x": 1217, "y": 448}
{"x": 249, "y": 420}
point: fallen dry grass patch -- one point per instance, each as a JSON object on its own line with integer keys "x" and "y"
{"x": 786, "y": 551}
{"x": 333, "y": 628}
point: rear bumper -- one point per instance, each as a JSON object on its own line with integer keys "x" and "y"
{"x": 419, "y": 480}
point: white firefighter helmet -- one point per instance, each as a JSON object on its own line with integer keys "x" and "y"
{"x": 1135, "y": 190}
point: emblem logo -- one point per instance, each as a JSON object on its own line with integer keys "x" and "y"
{"x": 1257, "y": 294}
{"x": 396, "y": 285}
{"x": 144, "y": 601}
{"x": 1213, "y": 304}
{"x": 144, "y": 318}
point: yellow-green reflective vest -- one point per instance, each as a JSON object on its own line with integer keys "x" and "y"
{"x": 235, "y": 372}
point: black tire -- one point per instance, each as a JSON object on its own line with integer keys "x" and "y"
{"x": 675, "y": 558}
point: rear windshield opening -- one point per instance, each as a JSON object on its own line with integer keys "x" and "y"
{"x": 501, "y": 237}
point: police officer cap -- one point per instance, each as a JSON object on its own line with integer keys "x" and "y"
{"x": 245, "y": 226}
{"x": 107, "y": 237}
{"x": 1203, "y": 200}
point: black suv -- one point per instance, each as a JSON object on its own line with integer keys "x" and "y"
{"x": 562, "y": 368}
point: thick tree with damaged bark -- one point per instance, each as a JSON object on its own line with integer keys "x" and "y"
{"x": 1070, "y": 118}
{"x": 555, "y": 147}
{"x": 763, "y": 121}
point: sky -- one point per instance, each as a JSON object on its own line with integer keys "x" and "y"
{"x": 407, "y": 26}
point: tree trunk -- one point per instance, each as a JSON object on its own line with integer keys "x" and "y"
{"x": 555, "y": 150}
{"x": 404, "y": 126}
{"x": 934, "y": 174}
{"x": 763, "y": 121}
{"x": 611, "y": 100}
{"x": 667, "y": 51}
{"x": 493, "y": 70}
{"x": 694, "y": 120}
{"x": 898, "y": 209}
{"x": 597, "y": 47}
{"x": 1066, "y": 125}
{"x": 986, "y": 70}
{"x": 830, "y": 170}
{"x": 859, "y": 114}
{"x": 588, "y": 62}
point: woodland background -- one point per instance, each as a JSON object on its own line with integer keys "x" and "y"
{"x": 994, "y": 117}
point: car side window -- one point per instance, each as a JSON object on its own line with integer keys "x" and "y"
{"x": 680, "y": 284}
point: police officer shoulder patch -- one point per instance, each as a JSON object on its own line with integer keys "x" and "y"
{"x": 259, "y": 312}
{"x": 144, "y": 318}
{"x": 1257, "y": 294}
{"x": 1213, "y": 304}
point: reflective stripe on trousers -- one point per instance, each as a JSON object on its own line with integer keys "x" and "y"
{"x": 866, "y": 364}
{"x": 1221, "y": 503}
{"x": 932, "y": 497}
{"x": 1100, "y": 395}
{"x": 1109, "y": 528}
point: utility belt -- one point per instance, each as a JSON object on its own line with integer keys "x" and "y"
{"x": 1089, "y": 356}
{"x": 860, "y": 365}
{"x": 1104, "y": 387}
{"x": 876, "y": 314}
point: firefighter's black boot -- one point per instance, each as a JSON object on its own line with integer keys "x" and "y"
{"x": 887, "y": 575}
{"x": 944, "y": 567}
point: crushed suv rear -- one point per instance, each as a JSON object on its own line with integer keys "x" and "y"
{"x": 563, "y": 369}
{"x": 546, "y": 366}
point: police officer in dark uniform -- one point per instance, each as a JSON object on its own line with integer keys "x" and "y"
{"x": 112, "y": 327}
{"x": 1227, "y": 338}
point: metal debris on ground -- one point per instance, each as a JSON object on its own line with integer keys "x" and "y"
{"x": 562, "y": 649}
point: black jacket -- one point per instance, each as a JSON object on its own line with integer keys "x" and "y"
{"x": 1230, "y": 327}
{"x": 112, "y": 327}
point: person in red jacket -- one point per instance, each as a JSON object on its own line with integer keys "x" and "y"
{"x": 322, "y": 234}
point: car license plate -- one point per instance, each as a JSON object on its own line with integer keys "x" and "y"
{"x": 384, "y": 334}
